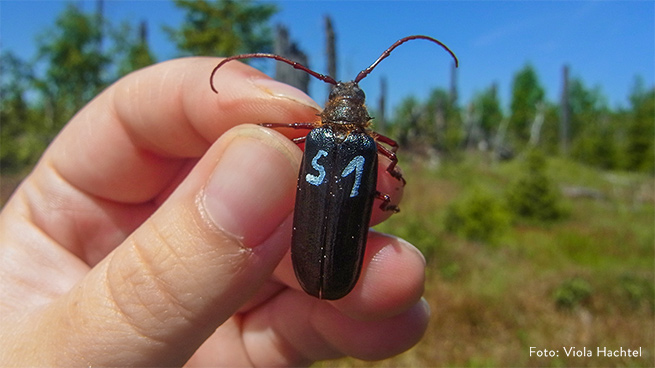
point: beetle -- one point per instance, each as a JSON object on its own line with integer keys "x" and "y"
{"x": 337, "y": 182}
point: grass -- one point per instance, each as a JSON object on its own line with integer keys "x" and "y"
{"x": 583, "y": 281}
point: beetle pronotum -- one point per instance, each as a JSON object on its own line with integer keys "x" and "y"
{"x": 337, "y": 182}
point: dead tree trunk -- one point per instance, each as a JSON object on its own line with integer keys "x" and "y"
{"x": 380, "y": 120}
{"x": 284, "y": 72}
{"x": 453, "y": 85}
{"x": 330, "y": 50}
{"x": 143, "y": 32}
{"x": 101, "y": 24}
{"x": 535, "y": 128}
{"x": 565, "y": 112}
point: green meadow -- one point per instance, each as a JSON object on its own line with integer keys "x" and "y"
{"x": 574, "y": 285}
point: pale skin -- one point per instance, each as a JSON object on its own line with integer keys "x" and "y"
{"x": 155, "y": 231}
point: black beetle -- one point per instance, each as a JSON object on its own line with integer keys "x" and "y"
{"x": 337, "y": 182}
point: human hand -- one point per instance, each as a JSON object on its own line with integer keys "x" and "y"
{"x": 155, "y": 231}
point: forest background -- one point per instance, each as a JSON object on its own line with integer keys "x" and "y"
{"x": 536, "y": 216}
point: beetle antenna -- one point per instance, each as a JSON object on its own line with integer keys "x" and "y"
{"x": 296, "y": 65}
{"x": 387, "y": 52}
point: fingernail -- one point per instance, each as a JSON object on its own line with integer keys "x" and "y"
{"x": 283, "y": 90}
{"x": 251, "y": 189}
{"x": 426, "y": 306}
{"x": 404, "y": 243}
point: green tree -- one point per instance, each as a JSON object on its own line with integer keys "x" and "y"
{"x": 132, "y": 48}
{"x": 223, "y": 27}
{"x": 75, "y": 69}
{"x": 640, "y": 153}
{"x": 75, "y": 64}
{"x": 406, "y": 120}
{"x": 534, "y": 196}
{"x": 14, "y": 75}
{"x": 526, "y": 94}
{"x": 549, "y": 141}
{"x": 444, "y": 122}
{"x": 20, "y": 128}
{"x": 592, "y": 130}
{"x": 596, "y": 145}
{"x": 491, "y": 115}
{"x": 434, "y": 124}
{"x": 585, "y": 104}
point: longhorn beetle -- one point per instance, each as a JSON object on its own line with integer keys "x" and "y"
{"x": 337, "y": 182}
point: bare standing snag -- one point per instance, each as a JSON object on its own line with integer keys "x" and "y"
{"x": 337, "y": 182}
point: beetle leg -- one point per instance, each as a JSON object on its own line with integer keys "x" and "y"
{"x": 306, "y": 125}
{"x": 389, "y": 153}
{"x": 394, "y": 160}
{"x": 391, "y": 169}
{"x": 386, "y": 200}
{"x": 388, "y": 141}
{"x": 299, "y": 140}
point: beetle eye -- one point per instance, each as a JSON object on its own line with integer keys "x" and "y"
{"x": 359, "y": 94}
{"x": 334, "y": 92}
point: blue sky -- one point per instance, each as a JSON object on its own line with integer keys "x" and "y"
{"x": 605, "y": 43}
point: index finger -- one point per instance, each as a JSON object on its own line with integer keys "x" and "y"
{"x": 129, "y": 143}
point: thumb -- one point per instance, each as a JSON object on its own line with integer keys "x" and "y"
{"x": 189, "y": 267}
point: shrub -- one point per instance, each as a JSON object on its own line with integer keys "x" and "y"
{"x": 478, "y": 216}
{"x": 572, "y": 293}
{"x": 534, "y": 196}
{"x": 637, "y": 291}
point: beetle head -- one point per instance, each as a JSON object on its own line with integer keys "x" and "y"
{"x": 346, "y": 107}
{"x": 349, "y": 91}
